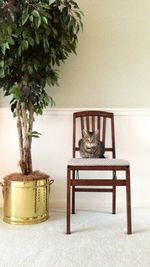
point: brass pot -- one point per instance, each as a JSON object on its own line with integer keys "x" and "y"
{"x": 26, "y": 202}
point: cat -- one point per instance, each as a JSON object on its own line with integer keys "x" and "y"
{"x": 90, "y": 146}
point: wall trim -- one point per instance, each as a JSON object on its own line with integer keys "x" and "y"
{"x": 69, "y": 111}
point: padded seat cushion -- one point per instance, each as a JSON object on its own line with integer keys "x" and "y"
{"x": 97, "y": 162}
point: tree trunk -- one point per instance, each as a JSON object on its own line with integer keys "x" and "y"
{"x": 25, "y": 125}
{"x": 25, "y": 113}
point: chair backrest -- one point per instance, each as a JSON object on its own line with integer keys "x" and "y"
{"x": 91, "y": 121}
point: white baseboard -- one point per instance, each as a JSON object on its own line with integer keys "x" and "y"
{"x": 69, "y": 111}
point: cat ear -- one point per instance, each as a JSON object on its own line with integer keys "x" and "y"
{"x": 97, "y": 133}
{"x": 85, "y": 132}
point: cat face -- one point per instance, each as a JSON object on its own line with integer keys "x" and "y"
{"x": 90, "y": 139}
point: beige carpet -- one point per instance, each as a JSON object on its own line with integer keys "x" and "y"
{"x": 98, "y": 240}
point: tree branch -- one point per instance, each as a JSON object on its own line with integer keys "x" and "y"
{"x": 25, "y": 138}
{"x": 30, "y": 131}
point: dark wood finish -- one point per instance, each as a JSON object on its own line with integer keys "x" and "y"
{"x": 113, "y": 137}
{"x": 74, "y": 137}
{"x": 82, "y": 125}
{"x": 92, "y": 120}
{"x": 97, "y": 182}
{"x": 73, "y": 194}
{"x": 114, "y": 194}
{"x": 88, "y": 123}
{"x": 98, "y": 168}
{"x": 93, "y": 124}
{"x": 99, "y": 125}
{"x": 128, "y": 196}
{"x": 93, "y": 190}
{"x": 104, "y": 130}
{"x": 68, "y": 200}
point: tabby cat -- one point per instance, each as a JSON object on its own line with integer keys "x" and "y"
{"x": 90, "y": 146}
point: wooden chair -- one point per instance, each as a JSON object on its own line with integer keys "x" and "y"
{"x": 92, "y": 120}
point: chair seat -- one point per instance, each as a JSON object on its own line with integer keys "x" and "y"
{"x": 97, "y": 162}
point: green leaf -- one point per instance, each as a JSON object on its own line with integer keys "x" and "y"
{"x": 24, "y": 45}
{"x": 31, "y": 18}
{"x": 37, "y": 41}
{"x": 2, "y": 73}
{"x": 3, "y": 48}
{"x": 13, "y": 107}
{"x": 19, "y": 51}
{"x": 31, "y": 41}
{"x": 9, "y": 29}
{"x": 46, "y": 44}
{"x": 52, "y": 102}
{"x": 25, "y": 17}
{"x": 23, "y": 67}
{"x": 38, "y": 22}
{"x": 35, "y": 66}
{"x": 35, "y": 13}
{"x": 78, "y": 14}
{"x": 24, "y": 34}
{"x": 34, "y": 132}
{"x": 30, "y": 69}
{"x": 51, "y": 1}
{"x": 35, "y": 136}
{"x": 54, "y": 32}
{"x": 44, "y": 19}
{"x": 81, "y": 12}
{"x": 49, "y": 81}
{"x": 1, "y": 63}
{"x": 7, "y": 45}
{"x": 15, "y": 91}
{"x": 10, "y": 40}
{"x": 81, "y": 24}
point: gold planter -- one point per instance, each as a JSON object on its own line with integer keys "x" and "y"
{"x": 26, "y": 202}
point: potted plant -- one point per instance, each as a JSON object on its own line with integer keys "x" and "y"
{"x": 36, "y": 36}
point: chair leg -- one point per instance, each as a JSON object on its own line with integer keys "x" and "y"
{"x": 114, "y": 195}
{"x": 128, "y": 197}
{"x": 114, "y": 200}
{"x": 73, "y": 200}
{"x": 68, "y": 200}
{"x": 73, "y": 194}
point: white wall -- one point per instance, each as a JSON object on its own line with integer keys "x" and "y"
{"x": 112, "y": 65}
{"x": 52, "y": 150}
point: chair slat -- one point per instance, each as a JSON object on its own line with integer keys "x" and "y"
{"x": 82, "y": 125}
{"x": 104, "y": 130}
{"x": 99, "y": 125}
{"x": 93, "y": 124}
{"x": 88, "y": 123}
{"x": 94, "y": 190}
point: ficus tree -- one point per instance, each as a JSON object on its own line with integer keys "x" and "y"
{"x": 35, "y": 37}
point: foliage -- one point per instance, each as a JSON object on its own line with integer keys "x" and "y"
{"x": 36, "y": 36}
